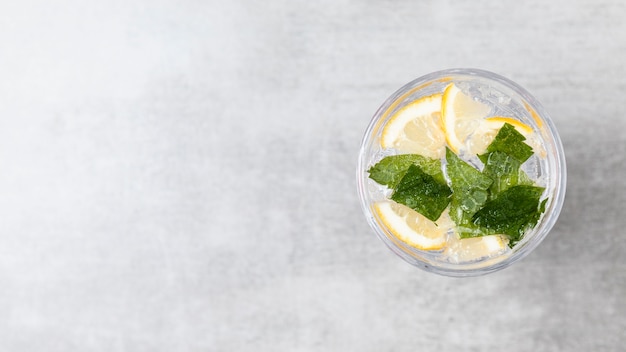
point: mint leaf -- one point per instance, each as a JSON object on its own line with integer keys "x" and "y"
{"x": 392, "y": 168}
{"x": 510, "y": 142}
{"x": 422, "y": 193}
{"x": 464, "y": 176}
{"x": 469, "y": 187}
{"x": 505, "y": 172}
{"x": 512, "y": 212}
{"x": 463, "y": 219}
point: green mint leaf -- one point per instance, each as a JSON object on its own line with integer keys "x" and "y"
{"x": 464, "y": 176}
{"x": 512, "y": 212}
{"x": 390, "y": 170}
{"x": 422, "y": 193}
{"x": 533, "y": 220}
{"x": 510, "y": 142}
{"x": 469, "y": 187}
{"x": 463, "y": 219}
{"x": 505, "y": 172}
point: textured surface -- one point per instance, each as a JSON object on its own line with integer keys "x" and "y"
{"x": 179, "y": 176}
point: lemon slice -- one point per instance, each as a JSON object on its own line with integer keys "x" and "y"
{"x": 412, "y": 227}
{"x": 461, "y": 250}
{"x": 415, "y": 128}
{"x": 488, "y": 129}
{"x": 460, "y": 116}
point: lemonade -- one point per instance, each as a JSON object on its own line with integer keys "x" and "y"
{"x": 461, "y": 172}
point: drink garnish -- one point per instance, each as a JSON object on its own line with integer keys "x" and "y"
{"x": 501, "y": 199}
{"x": 390, "y": 170}
{"x": 422, "y": 193}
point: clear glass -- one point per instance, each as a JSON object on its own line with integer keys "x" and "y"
{"x": 507, "y": 99}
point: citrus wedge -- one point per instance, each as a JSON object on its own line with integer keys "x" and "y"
{"x": 460, "y": 116}
{"x": 415, "y": 128}
{"x": 412, "y": 227}
{"x": 461, "y": 250}
{"x": 488, "y": 129}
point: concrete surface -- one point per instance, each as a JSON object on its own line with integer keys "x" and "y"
{"x": 179, "y": 176}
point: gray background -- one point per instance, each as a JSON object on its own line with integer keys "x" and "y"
{"x": 179, "y": 176}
